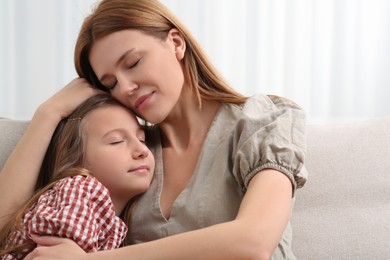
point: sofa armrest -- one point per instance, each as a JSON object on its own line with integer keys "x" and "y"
{"x": 11, "y": 131}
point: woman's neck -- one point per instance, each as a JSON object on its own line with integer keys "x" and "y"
{"x": 187, "y": 123}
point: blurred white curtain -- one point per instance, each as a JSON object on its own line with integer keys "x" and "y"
{"x": 330, "y": 56}
{"x": 36, "y": 50}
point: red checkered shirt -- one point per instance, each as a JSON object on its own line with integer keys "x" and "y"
{"x": 78, "y": 208}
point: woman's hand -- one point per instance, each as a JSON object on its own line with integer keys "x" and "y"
{"x": 65, "y": 101}
{"x": 55, "y": 248}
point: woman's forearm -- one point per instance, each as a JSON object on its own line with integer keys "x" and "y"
{"x": 217, "y": 242}
{"x": 224, "y": 241}
{"x": 254, "y": 234}
{"x": 20, "y": 172}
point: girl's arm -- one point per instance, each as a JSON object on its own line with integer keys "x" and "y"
{"x": 20, "y": 172}
{"x": 254, "y": 234}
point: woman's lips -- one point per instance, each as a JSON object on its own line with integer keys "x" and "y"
{"x": 142, "y": 100}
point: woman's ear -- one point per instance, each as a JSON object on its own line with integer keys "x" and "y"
{"x": 178, "y": 42}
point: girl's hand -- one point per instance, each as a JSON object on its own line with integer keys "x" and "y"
{"x": 55, "y": 248}
{"x": 65, "y": 101}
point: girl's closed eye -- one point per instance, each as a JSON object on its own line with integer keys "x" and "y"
{"x": 115, "y": 139}
{"x": 116, "y": 142}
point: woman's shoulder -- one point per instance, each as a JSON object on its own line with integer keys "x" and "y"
{"x": 284, "y": 102}
{"x": 262, "y": 108}
{"x": 270, "y": 102}
{"x": 269, "y": 133}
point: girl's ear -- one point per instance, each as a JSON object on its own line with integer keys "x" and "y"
{"x": 178, "y": 42}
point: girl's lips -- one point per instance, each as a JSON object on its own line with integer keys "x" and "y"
{"x": 141, "y": 100}
{"x": 140, "y": 169}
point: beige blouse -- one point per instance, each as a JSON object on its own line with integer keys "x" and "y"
{"x": 266, "y": 132}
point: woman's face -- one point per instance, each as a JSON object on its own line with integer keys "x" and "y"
{"x": 142, "y": 72}
{"x": 116, "y": 154}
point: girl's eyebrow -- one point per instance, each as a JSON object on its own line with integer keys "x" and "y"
{"x": 122, "y": 130}
{"x": 118, "y": 62}
{"x": 112, "y": 131}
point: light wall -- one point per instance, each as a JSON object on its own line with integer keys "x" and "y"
{"x": 330, "y": 56}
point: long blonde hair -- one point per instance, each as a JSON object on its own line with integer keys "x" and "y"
{"x": 152, "y": 18}
{"x": 63, "y": 158}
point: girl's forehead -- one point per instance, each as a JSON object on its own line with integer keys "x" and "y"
{"x": 112, "y": 115}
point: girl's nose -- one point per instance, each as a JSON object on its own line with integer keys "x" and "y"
{"x": 141, "y": 151}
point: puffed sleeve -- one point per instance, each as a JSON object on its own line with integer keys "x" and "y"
{"x": 78, "y": 208}
{"x": 270, "y": 134}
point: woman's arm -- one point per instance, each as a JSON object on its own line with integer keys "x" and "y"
{"x": 254, "y": 234}
{"x": 20, "y": 172}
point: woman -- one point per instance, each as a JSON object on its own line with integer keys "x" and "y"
{"x": 227, "y": 166}
{"x": 95, "y": 166}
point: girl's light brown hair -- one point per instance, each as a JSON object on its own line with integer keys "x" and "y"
{"x": 152, "y": 18}
{"x": 63, "y": 158}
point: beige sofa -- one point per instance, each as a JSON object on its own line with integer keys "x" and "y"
{"x": 343, "y": 212}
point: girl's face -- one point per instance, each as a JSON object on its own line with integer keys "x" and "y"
{"x": 142, "y": 72}
{"x": 116, "y": 154}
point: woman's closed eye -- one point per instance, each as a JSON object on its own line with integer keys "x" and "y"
{"x": 132, "y": 65}
{"x": 109, "y": 86}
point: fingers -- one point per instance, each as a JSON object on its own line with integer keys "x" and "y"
{"x": 37, "y": 253}
{"x": 55, "y": 248}
{"x": 47, "y": 240}
{"x": 65, "y": 101}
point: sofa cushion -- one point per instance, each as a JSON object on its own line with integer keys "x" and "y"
{"x": 343, "y": 212}
{"x": 11, "y": 131}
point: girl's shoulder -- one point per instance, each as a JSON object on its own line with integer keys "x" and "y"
{"x": 79, "y": 182}
{"x": 78, "y": 208}
{"x": 79, "y": 189}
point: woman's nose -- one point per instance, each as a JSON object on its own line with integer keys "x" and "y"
{"x": 127, "y": 86}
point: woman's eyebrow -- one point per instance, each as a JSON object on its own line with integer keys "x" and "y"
{"x": 124, "y": 55}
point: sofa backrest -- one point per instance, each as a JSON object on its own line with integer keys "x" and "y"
{"x": 343, "y": 212}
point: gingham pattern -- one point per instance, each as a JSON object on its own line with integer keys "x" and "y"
{"x": 78, "y": 208}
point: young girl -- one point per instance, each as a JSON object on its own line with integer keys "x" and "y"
{"x": 96, "y": 164}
